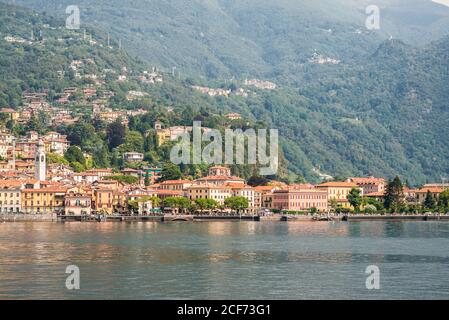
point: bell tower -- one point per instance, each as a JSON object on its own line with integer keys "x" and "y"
{"x": 40, "y": 162}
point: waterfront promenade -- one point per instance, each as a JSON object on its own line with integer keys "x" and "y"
{"x": 204, "y": 218}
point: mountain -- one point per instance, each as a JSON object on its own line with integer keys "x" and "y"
{"x": 252, "y": 38}
{"x": 348, "y": 101}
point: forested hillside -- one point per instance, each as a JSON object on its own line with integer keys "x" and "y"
{"x": 381, "y": 110}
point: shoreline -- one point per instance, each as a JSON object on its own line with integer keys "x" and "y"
{"x": 205, "y": 218}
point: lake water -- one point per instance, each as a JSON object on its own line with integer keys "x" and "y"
{"x": 225, "y": 260}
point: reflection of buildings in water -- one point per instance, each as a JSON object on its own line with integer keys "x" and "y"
{"x": 316, "y": 228}
{"x": 373, "y": 229}
{"x": 393, "y": 229}
{"x": 249, "y": 227}
{"x": 216, "y": 228}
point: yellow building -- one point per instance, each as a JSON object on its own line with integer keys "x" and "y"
{"x": 163, "y": 135}
{"x": 45, "y": 200}
{"x": 263, "y": 197}
{"x": 338, "y": 191}
{"x": 103, "y": 201}
{"x": 209, "y": 191}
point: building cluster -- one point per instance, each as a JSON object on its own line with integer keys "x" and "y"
{"x": 172, "y": 133}
{"x": 18, "y": 153}
{"x": 219, "y": 92}
{"x": 321, "y": 59}
{"x": 29, "y": 185}
{"x": 260, "y": 84}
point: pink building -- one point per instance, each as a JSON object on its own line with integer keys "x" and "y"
{"x": 300, "y": 199}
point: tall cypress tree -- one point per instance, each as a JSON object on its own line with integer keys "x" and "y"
{"x": 394, "y": 195}
{"x": 429, "y": 202}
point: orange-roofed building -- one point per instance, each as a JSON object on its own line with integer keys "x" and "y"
{"x": 103, "y": 201}
{"x": 78, "y": 204}
{"x": 370, "y": 184}
{"x": 178, "y": 185}
{"x": 300, "y": 199}
{"x": 421, "y": 194}
{"x": 219, "y": 175}
{"x": 263, "y": 197}
{"x": 338, "y": 191}
{"x": 162, "y": 194}
{"x": 10, "y": 196}
{"x": 209, "y": 191}
{"x": 43, "y": 200}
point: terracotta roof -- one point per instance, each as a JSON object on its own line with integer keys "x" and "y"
{"x": 369, "y": 180}
{"x": 431, "y": 189}
{"x": 176, "y": 182}
{"x": 169, "y": 192}
{"x": 264, "y": 188}
{"x": 338, "y": 184}
{"x": 11, "y": 183}
{"x": 48, "y": 190}
{"x": 375, "y": 194}
{"x": 237, "y": 185}
{"x": 220, "y": 178}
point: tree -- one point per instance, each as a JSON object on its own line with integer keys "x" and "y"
{"x": 155, "y": 201}
{"x": 170, "y": 171}
{"x": 55, "y": 158}
{"x": 101, "y": 157}
{"x": 443, "y": 200}
{"x": 370, "y": 209}
{"x": 236, "y": 203}
{"x": 124, "y": 179}
{"x": 171, "y": 202}
{"x": 115, "y": 134}
{"x": 147, "y": 181}
{"x": 75, "y": 157}
{"x": 430, "y": 202}
{"x": 201, "y": 204}
{"x": 394, "y": 195}
{"x": 355, "y": 198}
{"x": 134, "y": 142}
{"x": 255, "y": 181}
{"x": 184, "y": 204}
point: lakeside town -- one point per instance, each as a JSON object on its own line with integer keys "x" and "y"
{"x": 41, "y": 172}
{"x": 31, "y": 185}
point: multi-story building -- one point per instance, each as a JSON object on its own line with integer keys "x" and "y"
{"x": 263, "y": 196}
{"x": 77, "y": 204}
{"x": 133, "y": 156}
{"x": 338, "y": 191}
{"x": 300, "y": 200}
{"x": 179, "y": 185}
{"x": 10, "y": 196}
{"x": 369, "y": 184}
{"x": 43, "y": 200}
{"x": 421, "y": 194}
{"x": 103, "y": 201}
{"x": 219, "y": 175}
{"x": 209, "y": 191}
{"x": 245, "y": 191}
{"x": 56, "y": 143}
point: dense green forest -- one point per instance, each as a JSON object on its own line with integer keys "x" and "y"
{"x": 382, "y": 110}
